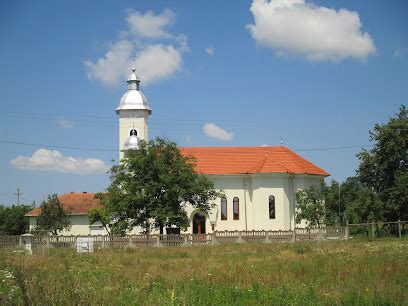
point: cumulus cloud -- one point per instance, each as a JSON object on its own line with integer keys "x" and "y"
{"x": 157, "y": 62}
{"x": 315, "y": 32}
{"x": 111, "y": 68}
{"x": 214, "y": 131}
{"x": 64, "y": 123}
{"x": 210, "y": 51}
{"x": 52, "y": 160}
{"x": 150, "y": 25}
{"x": 153, "y": 61}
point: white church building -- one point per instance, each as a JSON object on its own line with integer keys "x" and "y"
{"x": 259, "y": 183}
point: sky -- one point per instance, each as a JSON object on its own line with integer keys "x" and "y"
{"x": 312, "y": 74}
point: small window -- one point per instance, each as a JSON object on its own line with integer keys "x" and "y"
{"x": 235, "y": 204}
{"x": 223, "y": 208}
{"x": 271, "y": 207}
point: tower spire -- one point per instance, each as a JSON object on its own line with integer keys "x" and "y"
{"x": 133, "y": 81}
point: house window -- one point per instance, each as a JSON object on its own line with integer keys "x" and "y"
{"x": 235, "y": 204}
{"x": 271, "y": 207}
{"x": 223, "y": 208}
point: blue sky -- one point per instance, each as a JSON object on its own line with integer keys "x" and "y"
{"x": 317, "y": 74}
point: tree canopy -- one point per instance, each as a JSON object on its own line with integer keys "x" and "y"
{"x": 13, "y": 220}
{"x": 151, "y": 187}
{"x": 384, "y": 168}
{"x": 52, "y": 217}
{"x": 379, "y": 191}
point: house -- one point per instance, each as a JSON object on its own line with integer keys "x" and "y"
{"x": 76, "y": 205}
{"x": 259, "y": 183}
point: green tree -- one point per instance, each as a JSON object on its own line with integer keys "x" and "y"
{"x": 13, "y": 220}
{"x": 152, "y": 186}
{"x": 106, "y": 216}
{"x": 53, "y": 218}
{"x": 311, "y": 205}
{"x": 362, "y": 204}
{"x": 385, "y": 167}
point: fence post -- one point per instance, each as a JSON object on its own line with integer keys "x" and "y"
{"x": 294, "y": 235}
{"x": 267, "y": 237}
{"x": 239, "y": 237}
{"x": 158, "y": 245}
{"x": 47, "y": 240}
{"x": 399, "y": 228}
{"x": 130, "y": 241}
{"x": 20, "y": 242}
{"x": 373, "y": 230}
{"x": 28, "y": 242}
{"x": 347, "y": 231}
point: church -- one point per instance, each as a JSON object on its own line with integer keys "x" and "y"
{"x": 259, "y": 183}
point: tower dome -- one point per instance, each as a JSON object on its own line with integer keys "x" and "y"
{"x": 133, "y": 98}
{"x": 132, "y": 142}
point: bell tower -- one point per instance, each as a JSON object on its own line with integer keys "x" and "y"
{"x": 133, "y": 112}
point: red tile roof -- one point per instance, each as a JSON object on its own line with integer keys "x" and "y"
{"x": 242, "y": 160}
{"x": 73, "y": 204}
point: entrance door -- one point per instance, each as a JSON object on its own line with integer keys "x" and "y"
{"x": 199, "y": 223}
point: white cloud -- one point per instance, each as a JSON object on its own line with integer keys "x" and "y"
{"x": 150, "y": 25}
{"x": 64, "y": 123}
{"x": 153, "y": 61}
{"x": 157, "y": 62}
{"x": 210, "y": 51}
{"x": 111, "y": 68}
{"x": 214, "y": 131}
{"x": 317, "y": 33}
{"x": 52, "y": 160}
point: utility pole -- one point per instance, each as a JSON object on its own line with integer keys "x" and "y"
{"x": 18, "y": 194}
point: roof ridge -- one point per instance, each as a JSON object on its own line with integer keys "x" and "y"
{"x": 279, "y": 164}
{"x": 287, "y": 151}
{"x": 262, "y": 163}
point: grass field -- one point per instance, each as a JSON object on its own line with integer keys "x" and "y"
{"x": 369, "y": 273}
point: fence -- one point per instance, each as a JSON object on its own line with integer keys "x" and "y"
{"x": 378, "y": 230}
{"x": 45, "y": 243}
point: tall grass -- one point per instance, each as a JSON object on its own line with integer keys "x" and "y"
{"x": 302, "y": 274}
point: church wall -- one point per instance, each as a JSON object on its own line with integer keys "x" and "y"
{"x": 263, "y": 187}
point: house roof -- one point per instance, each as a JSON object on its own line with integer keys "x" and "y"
{"x": 73, "y": 204}
{"x": 250, "y": 160}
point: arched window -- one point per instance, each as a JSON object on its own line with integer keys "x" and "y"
{"x": 271, "y": 207}
{"x": 223, "y": 208}
{"x": 235, "y": 208}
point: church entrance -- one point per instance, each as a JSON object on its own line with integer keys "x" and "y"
{"x": 199, "y": 223}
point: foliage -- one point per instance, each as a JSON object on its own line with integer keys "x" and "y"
{"x": 153, "y": 184}
{"x": 53, "y": 218}
{"x": 311, "y": 206}
{"x": 13, "y": 220}
{"x": 349, "y": 273}
{"x": 385, "y": 167}
{"x": 106, "y": 217}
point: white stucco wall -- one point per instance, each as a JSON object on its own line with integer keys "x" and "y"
{"x": 129, "y": 119}
{"x": 253, "y": 192}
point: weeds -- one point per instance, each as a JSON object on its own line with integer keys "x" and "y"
{"x": 298, "y": 274}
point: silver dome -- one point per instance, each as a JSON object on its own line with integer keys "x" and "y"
{"x": 133, "y": 98}
{"x": 132, "y": 142}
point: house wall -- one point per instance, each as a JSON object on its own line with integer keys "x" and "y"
{"x": 79, "y": 225}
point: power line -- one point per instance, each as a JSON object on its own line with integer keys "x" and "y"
{"x": 111, "y": 150}
{"x": 56, "y": 147}
{"x": 334, "y": 148}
